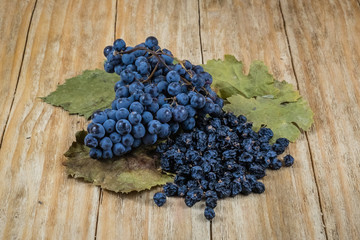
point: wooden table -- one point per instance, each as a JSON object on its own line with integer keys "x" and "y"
{"x": 314, "y": 45}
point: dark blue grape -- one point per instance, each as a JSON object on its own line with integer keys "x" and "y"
{"x": 95, "y": 153}
{"x": 119, "y": 45}
{"x": 106, "y": 143}
{"x": 123, "y": 127}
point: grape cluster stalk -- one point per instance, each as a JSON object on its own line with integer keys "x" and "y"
{"x": 154, "y": 98}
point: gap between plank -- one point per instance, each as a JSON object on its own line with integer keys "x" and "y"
{"x": 98, "y": 211}
{"x": 306, "y": 135}
{"x": 202, "y": 61}
{"x": 18, "y": 78}
{"x": 116, "y": 7}
{"x": 201, "y": 48}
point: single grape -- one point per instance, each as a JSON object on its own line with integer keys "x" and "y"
{"x": 123, "y": 127}
{"x": 162, "y": 86}
{"x": 115, "y": 137}
{"x": 99, "y": 117}
{"x": 149, "y": 139}
{"x": 128, "y": 58}
{"x": 122, "y": 113}
{"x": 136, "y": 85}
{"x": 137, "y": 94}
{"x": 153, "y": 107}
{"x": 127, "y": 140}
{"x": 143, "y": 68}
{"x": 167, "y": 58}
{"x": 191, "y": 111}
{"x": 107, "y": 50}
{"x": 136, "y": 107}
{"x": 164, "y": 115}
{"x": 182, "y": 98}
{"x": 134, "y": 118}
{"x": 198, "y": 101}
{"x": 127, "y": 76}
{"x": 118, "y": 149}
{"x": 131, "y": 67}
{"x": 188, "y": 124}
{"x": 154, "y": 127}
{"x": 118, "y": 69}
{"x": 198, "y": 81}
{"x": 151, "y": 42}
{"x": 119, "y": 45}
{"x": 106, "y": 143}
{"x": 138, "y": 131}
{"x": 122, "y": 92}
{"x": 174, "y": 88}
{"x": 147, "y": 117}
{"x": 172, "y": 76}
{"x": 114, "y": 104}
{"x": 91, "y": 141}
{"x": 161, "y": 99}
{"x": 209, "y": 106}
{"x": 220, "y": 102}
{"x": 97, "y": 130}
{"x": 164, "y": 131}
{"x": 111, "y": 114}
{"x": 109, "y": 125}
{"x": 123, "y": 103}
{"x": 198, "y": 69}
{"x": 95, "y": 153}
{"x": 108, "y": 67}
{"x": 146, "y": 99}
{"x": 107, "y": 154}
{"x": 179, "y": 113}
{"x": 152, "y": 90}
{"x": 139, "y": 60}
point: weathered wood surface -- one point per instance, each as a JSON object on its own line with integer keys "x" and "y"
{"x": 324, "y": 41}
{"x": 312, "y": 44}
{"x": 289, "y": 208}
{"x": 13, "y": 35}
{"x": 38, "y": 201}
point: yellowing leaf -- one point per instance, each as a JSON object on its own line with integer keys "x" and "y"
{"x": 262, "y": 99}
{"x": 85, "y": 93}
{"x": 135, "y": 171}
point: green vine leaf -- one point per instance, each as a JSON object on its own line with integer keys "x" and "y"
{"x": 136, "y": 171}
{"x": 85, "y": 93}
{"x": 264, "y": 100}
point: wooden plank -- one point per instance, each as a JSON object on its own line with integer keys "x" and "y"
{"x": 135, "y": 216}
{"x": 38, "y": 201}
{"x": 289, "y": 208}
{"x": 324, "y": 39}
{"x": 14, "y": 23}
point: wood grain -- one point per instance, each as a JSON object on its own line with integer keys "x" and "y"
{"x": 289, "y": 208}
{"x": 13, "y": 33}
{"x": 312, "y": 44}
{"x": 38, "y": 200}
{"x": 135, "y": 216}
{"x": 324, "y": 41}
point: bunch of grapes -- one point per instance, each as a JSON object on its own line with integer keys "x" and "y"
{"x": 154, "y": 99}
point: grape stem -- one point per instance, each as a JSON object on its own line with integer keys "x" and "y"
{"x": 157, "y": 55}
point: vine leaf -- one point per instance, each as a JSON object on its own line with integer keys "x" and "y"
{"x": 264, "y": 100}
{"x": 136, "y": 171}
{"x": 85, "y": 93}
